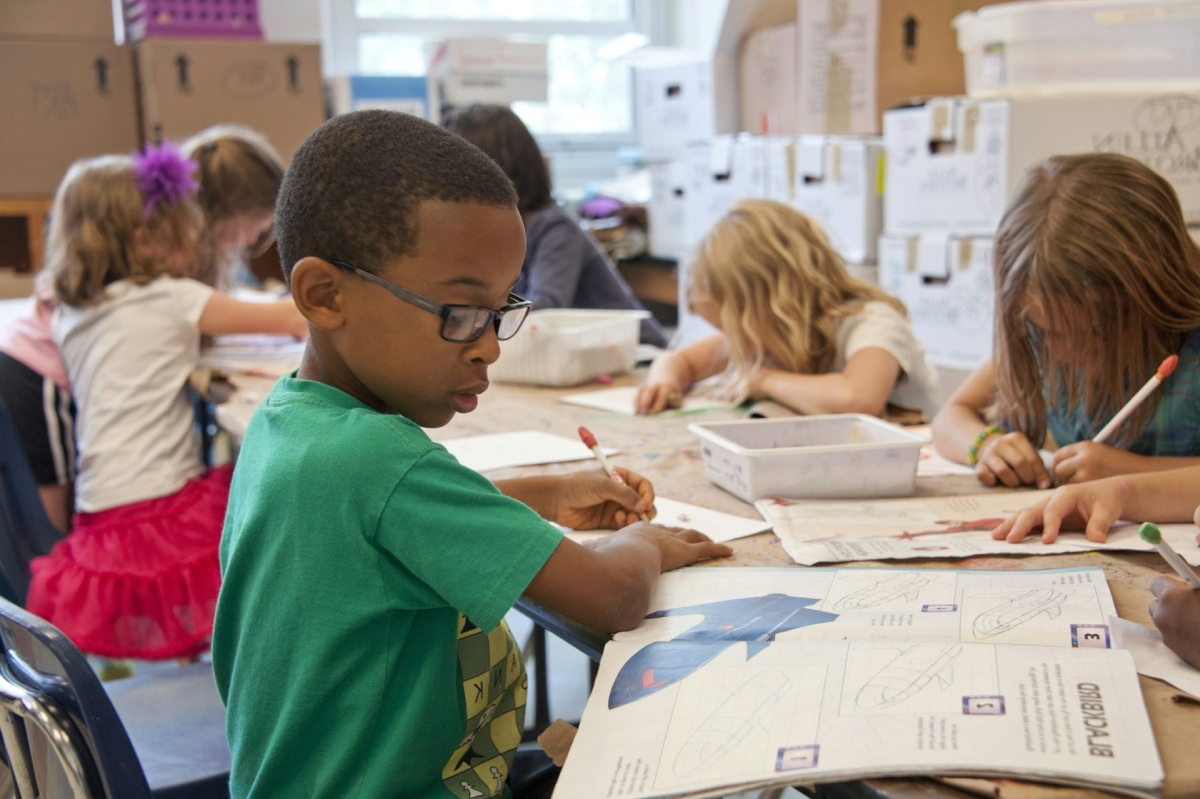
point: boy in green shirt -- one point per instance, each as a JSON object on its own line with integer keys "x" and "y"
{"x": 359, "y": 642}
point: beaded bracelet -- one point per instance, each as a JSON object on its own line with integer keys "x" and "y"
{"x": 980, "y": 437}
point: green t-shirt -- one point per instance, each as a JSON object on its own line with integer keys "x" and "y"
{"x": 359, "y": 642}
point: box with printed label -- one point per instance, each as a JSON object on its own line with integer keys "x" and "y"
{"x": 953, "y": 164}
{"x": 860, "y": 57}
{"x": 668, "y": 186}
{"x": 404, "y": 93}
{"x": 490, "y": 71}
{"x": 188, "y": 84}
{"x": 675, "y": 108}
{"x": 946, "y": 283}
{"x": 62, "y": 101}
{"x": 838, "y": 183}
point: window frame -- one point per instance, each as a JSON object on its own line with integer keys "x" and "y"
{"x": 342, "y": 26}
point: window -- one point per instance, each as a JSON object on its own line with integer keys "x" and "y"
{"x": 590, "y": 99}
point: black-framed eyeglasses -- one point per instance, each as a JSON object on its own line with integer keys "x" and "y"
{"x": 461, "y": 324}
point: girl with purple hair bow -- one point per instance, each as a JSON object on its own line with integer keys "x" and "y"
{"x": 137, "y": 576}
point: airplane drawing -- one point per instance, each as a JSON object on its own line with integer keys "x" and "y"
{"x": 907, "y": 674}
{"x": 755, "y": 620}
{"x": 731, "y": 722}
{"x": 905, "y": 584}
{"x": 1018, "y": 610}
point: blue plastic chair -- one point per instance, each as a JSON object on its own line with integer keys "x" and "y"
{"x": 64, "y": 733}
{"x": 25, "y": 530}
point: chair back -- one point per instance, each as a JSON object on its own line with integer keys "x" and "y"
{"x": 60, "y": 733}
{"x": 25, "y": 530}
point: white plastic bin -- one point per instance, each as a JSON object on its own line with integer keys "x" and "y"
{"x": 1080, "y": 45}
{"x": 830, "y": 457}
{"x": 561, "y": 347}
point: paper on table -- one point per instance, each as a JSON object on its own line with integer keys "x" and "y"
{"x": 518, "y": 448}
{"x": 1151, "y": 656}
{"x": 718, "y": 526}
{"x": 620, "y": 400}
{"x": 831, "y": 531}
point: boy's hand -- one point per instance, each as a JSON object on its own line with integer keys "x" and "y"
{"x": 653, "y": 397}
{"x": 1176, "y": 614}
{"x": 1087, "y": 460}
{"x": 679, "y": 546}
{"x": 1011, "y": 459}
{"x": 1088, "y": 506}
{"x": 594, "y": 501}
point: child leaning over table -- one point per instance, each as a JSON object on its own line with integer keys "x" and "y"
{"x": 1168, "y": 496}
{"x": 360, "y": 645}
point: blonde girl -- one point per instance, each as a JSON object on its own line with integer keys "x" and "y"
{"x": 1097, "y": 281}
{"x": 138, "y": 574}
{"x": 795, "y": 326}
{"x": 239, "y": 174}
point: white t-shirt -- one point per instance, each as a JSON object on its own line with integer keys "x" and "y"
{"x": 880, "y": 325}
{"x": 129, "y": 358}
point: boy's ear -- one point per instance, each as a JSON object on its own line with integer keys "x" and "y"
{"x": 317, "y": 292}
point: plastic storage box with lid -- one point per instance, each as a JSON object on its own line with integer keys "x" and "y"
{"x": 831, "y": 457}
{"x": 1080, "y": 45}
{"x": 561, "y": 347}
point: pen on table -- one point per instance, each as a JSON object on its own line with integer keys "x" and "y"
{"x": 1150, "y": 533}
{"x": 1164, "y": 370}
{"x": 589, "y": 441}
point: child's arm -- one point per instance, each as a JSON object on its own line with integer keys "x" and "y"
{"x": 584, "y": 500}
{"x": 1176, "y": 614}
{"x": 1087, "y": 460}
{"x": 223, "y": 316}
{"x": 608, "y": 586}
{"x": 1096, "y": 506}
{"x": 674, "y": 372}
{"x": 862, "y": 387}
{"x": 1010, "y": 459}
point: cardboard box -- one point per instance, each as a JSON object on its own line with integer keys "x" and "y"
{"x": 186, "y": 85}
{"x": 675, "y": 108}
{"x": 946, "y": 282}
{"x": 839, "y": 182}
{"x": 858, "y": 58}
{"x": 953, "y": 164}
{"x": 88, "y": 20}
{"x": 62, "y": 101}
{"x": 493, "y": 71}
{"x": 668, "y": 184}
{"x": 781, "y": 168}
{"x": 407, "y": 94}
{"x": 767, "y": 81}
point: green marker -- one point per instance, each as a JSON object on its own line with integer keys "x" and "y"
{"x": 1150, "y": 533}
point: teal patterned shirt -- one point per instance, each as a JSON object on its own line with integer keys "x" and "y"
{"x": 1174, "y": 430}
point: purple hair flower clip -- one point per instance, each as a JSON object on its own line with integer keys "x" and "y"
{"x": 164, "y": 174}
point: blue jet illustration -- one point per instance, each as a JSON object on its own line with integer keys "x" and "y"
{"x": 755, "y": 620}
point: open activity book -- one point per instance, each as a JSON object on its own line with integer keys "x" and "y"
{"x": 741, "y": 679}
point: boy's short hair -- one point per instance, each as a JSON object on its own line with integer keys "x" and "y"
{"x": 354, "y": 186}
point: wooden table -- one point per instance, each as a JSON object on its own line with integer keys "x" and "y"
{"x": 662, "y": 449}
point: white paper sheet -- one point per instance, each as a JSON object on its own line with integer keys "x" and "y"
{"x": 831, "y": 531}
{"x": 620, "y": 400}
{"x": 518, "y": 448}
{"x": 1151, "y": 656}
{"x": 718, "y": 526}
{"x": 783, "y": 676}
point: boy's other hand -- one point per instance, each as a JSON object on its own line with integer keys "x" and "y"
{"x": 1176, "y": 614}
{"x": 594, "y": 501}
{"x": 1011, "y": 459}
{"x": 657, "y": 397}
{"x": 1091, "y": 507}
{"x": 680, "y": 546}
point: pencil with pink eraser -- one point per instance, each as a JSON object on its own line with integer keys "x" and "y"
{"x": 1164, "y": 371}
{"x": 589, "y": 441}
